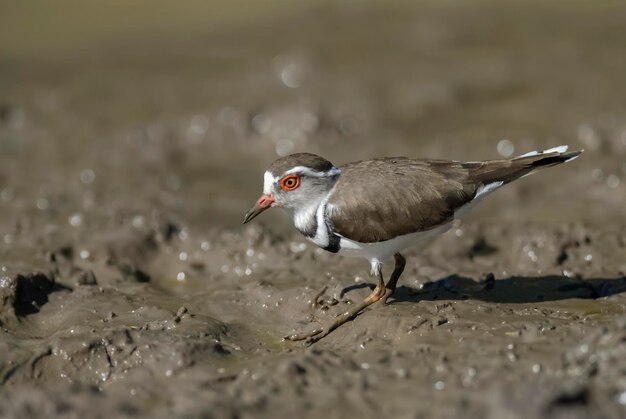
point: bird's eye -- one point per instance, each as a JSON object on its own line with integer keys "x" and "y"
{"x": 289, "y": 183}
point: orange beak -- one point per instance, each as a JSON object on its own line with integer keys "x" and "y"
{"x": 264, "y": 202}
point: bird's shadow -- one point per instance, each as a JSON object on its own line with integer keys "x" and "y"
{"x": 512, "y": 290}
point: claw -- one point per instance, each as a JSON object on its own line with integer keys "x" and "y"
{"x": 303, "y": 336}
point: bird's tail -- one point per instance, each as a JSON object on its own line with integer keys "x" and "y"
{"x": 550, "y": 157}
{"x": 505, "y": 171}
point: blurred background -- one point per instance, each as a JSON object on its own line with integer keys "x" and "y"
{"x": 112, "y": 110}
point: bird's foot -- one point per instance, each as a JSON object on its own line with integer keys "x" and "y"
{"x": 319, "y": 332}
{"x": 305, "y": 335}
{"x": 322, "y": 331}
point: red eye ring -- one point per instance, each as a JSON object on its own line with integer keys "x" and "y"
{"x": 289, "y": 183}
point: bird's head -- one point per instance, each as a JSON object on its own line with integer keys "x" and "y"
{"x": 294, "y": 182}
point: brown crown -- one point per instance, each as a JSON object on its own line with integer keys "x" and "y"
{"x": 309, "y": 160}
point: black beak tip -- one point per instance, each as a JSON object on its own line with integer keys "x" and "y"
{"x": 249, "y": 216}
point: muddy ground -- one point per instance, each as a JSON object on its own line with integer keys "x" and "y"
{"x": 133, "y": 139}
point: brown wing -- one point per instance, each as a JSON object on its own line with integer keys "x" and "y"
{"x": 378, "y": 199}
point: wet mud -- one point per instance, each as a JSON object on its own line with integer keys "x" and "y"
{"x": 128, "y": 286}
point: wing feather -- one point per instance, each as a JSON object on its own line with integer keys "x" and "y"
{"x": 376, "y": 200}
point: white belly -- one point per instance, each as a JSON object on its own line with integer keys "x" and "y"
{"x": 381, "y": 251}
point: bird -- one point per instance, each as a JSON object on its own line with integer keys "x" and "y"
{"x": 374, "y": 209}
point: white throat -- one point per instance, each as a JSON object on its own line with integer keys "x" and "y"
{"x": 306, "y": 216}
{"x": 312, "y": 219}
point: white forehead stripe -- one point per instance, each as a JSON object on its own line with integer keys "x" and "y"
{"x": 307, "y": 171}
{"x": 268, "y": 181}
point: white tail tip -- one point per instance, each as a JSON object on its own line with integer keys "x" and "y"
{"x": 559, "y": 149}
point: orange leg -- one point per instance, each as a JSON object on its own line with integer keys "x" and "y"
{"x": 393, "y": 281}
{"x": 381, "y": 292}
